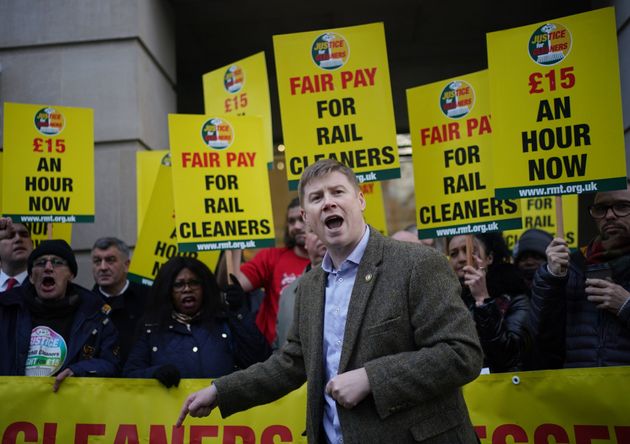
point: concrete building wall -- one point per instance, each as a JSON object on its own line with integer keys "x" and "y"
{"x": 115, "y": 56}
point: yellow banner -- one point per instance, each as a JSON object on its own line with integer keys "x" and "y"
{"x": 374, "y": 210}
{"x": 336, "y": 101}
{"x": 577, "y": 406}
{"x": 540, "y": 212}
{"x": 147, "y": 166}
{"x": 157, "y": 242}
{"x": 551, "y": 83}
{"x": 241, "y": 88}
{"x": 220, "y": 183}
{"x": 451, "y": 137}
{"x": 48, "y": 168}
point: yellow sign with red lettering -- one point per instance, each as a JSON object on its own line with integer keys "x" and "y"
{"x": 576, "y": 406}
{"x": 220, "y": 183}
{"x": 336, "y": 101}
{"x": 48, "y": 168}
{"x": 157, "y": 242}
{"x": 451, "y": 137}
{"x": 241, "y": 89}
{"x": 556, "y": 107}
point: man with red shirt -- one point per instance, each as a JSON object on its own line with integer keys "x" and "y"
{"x": 274, "y": 269}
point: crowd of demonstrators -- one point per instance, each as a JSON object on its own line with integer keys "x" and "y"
{"x": 15, "y": 247}
{"x": 316, "y": 250}
{"x": 125, "y": 300}
{"x": 495, "y": 294}
{"x": 274, "y": 269}
{"x": 50, "y": 326}
{"x": 188, "y": 332}
{"x": 581, "y": 301}
{"x": 380, "y": 334}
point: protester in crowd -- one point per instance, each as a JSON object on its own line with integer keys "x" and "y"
{"x": 15, "y": 246}
{"x": 188, "y": 332}
{"x": 529, "y": 253}
{"x": 126, "y": 300}
{"x": 494, "y": 292}
{"x": 274, "y": 269}
{"x": 52, "y": 327}
{"x": 581, "y": 301}
{"x": 380, "y": 334}
{"x": 316, "y": 250}
{"x": 410, "y": 234}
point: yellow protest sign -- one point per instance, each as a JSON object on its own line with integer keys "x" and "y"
{"x": 117, "y": 410}
{"x": 241, "y": 88}
{"x": 220, "y": 183}
{"x": 451, "y": 138}
{"x": 374, "y": 210}
{"x": 550, "y": 83}
{"x": 147, "y": 166}
{"x": 336, "y": 101}
{"x": 39, "y": 230}
{"x": 582, "y": 406}
{"x": 540, "y": 212}
{"x": 157, "y": 241}
{"x": 54, "y": 149}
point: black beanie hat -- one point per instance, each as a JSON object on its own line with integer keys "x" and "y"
{"x": 532, "y": 240}
{"x": 57, "y": 247}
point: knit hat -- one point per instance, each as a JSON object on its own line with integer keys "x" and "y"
{"x": 532, "y": 240}
{"x": 57, "y": 247}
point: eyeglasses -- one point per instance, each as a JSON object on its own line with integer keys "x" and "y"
{"x": 193, "y": 284}
{"x": 619, "y": 209}
{"x": 54, "y": 261}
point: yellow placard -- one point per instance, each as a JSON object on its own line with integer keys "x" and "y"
{"x": 48, "y": 168}
{"x": 39, "y": 230}
{"x": 550, "y": 84}
{"x": 241, "y": 88}
{"x": 336, "y": 101}
{"x": 576, "y": 406}
{"x": 540, "y": 212}
{"x": 374, "y": 209}
{"x": 451, "y": 138}
{"x": 157, "y": 241}
{"x": 147, "y": 166}
{"x": 220, "y": 183}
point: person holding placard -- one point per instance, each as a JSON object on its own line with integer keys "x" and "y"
{"x": 380, "y": 334}
{"x": 274, "y": 269}
{"x": 15, "y": 246}
{"x": 581, "y": 301}
{"x": 188, "y": 332}
{"x": 53, "y": 327}
{"x": 495, "y": 294}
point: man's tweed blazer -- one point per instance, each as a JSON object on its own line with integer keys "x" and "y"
{"x": 406, "y": 324}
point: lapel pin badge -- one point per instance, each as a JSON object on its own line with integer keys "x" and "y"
{"x": 368, "y": 277}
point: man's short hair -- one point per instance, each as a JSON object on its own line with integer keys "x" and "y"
{"x": 321, "y": 168}
{"x": 104, "y": 243}
{"x": 289, "y": 242}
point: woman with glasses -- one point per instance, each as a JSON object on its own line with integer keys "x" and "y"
{"x": 188, "y": 332}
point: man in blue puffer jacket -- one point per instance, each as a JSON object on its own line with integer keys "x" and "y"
{"x": 52, "y": 327}
{"x": 581, "y": 302}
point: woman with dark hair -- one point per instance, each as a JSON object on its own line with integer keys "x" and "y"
{"x": 188, "y": 332}
{"x": 495, "y": 294}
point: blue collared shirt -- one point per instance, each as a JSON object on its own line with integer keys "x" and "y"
{"x": 338, "y": 292}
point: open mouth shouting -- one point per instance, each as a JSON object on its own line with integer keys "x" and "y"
{"x": 333, "y": 222}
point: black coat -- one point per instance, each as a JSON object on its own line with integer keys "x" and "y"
{"x": 570, "y": 330}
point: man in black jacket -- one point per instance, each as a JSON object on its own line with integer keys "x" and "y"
{"x": 581, "y": 301}
{"x": 126, "y": 300}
